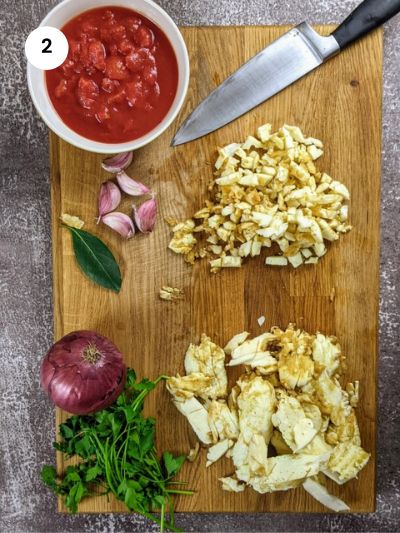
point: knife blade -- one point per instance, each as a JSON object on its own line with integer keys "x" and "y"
{"x": 284, "y": 61}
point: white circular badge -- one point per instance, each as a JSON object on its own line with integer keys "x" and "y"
{"x": 46, "y": 48}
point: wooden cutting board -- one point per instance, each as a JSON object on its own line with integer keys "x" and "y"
{"x": 339, "y": 103}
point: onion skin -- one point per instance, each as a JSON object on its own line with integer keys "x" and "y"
{"x": 83, "y": 372}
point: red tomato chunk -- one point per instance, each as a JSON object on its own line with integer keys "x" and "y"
{"x": 120, "y": 75}
{"x": 87, "y": 92}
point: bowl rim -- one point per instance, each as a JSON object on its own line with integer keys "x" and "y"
{"x": 91, "y": 145}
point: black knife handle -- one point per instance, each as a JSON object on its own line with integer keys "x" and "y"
{"x": 369, "y": 15}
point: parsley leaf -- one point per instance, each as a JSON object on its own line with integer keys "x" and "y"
{"x": 49, "y": 476}
{"x": 172, "y": 464}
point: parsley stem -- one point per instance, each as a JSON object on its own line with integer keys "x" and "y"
{"x": 157, "y": 464}
{"x": 108, "y": 470}
{"x": 123, "y": 462}
{"x": 176, "y": 491}
{"x": 162, "y": 518}
{"x": 114, "y": 459}
{"x": 170, "y": 526}
{"x": 136, "y": 403}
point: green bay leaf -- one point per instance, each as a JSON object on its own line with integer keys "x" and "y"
{"x": 95, "y": 259}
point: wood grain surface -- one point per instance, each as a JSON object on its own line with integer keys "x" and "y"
{"x": 339, "y": 103}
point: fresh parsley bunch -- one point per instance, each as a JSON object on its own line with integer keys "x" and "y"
{"x": 117, "y": 454}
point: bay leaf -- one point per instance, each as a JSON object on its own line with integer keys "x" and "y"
{"x": 95, "y": 259}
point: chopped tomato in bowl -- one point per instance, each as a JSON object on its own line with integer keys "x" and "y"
{"x": 124, "y": 79}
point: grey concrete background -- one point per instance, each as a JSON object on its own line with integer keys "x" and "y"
{"x": 26, "y": 418}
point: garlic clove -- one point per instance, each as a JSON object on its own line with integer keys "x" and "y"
{"x": 117, "y": 162}
{"x": 120, "y": 223}
{"x": 109, "y": 198}
{"x": 145, "y": 215}
{"x": 130, "y": 186}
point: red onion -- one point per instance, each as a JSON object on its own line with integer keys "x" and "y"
{"x": 83, "y": 372}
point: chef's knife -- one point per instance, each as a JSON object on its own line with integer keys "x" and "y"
{"x": 284, "y": 61}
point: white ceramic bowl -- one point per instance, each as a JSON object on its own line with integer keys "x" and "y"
{"x": 67, "y": 10}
